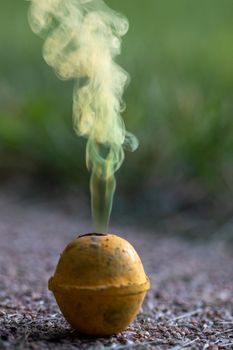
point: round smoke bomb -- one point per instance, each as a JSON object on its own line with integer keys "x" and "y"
{"x": 99, "y": 284}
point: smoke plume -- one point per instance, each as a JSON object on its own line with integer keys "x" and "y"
{"x": 82, "y": 39}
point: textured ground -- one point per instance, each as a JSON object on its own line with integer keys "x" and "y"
{"x": 189, "y": 305}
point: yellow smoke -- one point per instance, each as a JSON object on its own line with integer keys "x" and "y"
{"x": 82, "y": 38}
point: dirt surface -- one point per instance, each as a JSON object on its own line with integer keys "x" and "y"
{"x": 189, "y": 305}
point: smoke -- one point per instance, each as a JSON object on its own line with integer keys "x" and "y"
{"x": 82, "y": 39}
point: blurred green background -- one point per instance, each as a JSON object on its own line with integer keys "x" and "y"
{"x": 179, "y": 54}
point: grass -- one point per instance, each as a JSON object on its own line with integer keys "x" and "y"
{"x": 179, "y": 54}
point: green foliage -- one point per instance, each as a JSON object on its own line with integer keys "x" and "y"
{"x": 179, "y": 54}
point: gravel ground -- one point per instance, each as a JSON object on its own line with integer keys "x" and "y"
{"x": 189, "y": 305}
